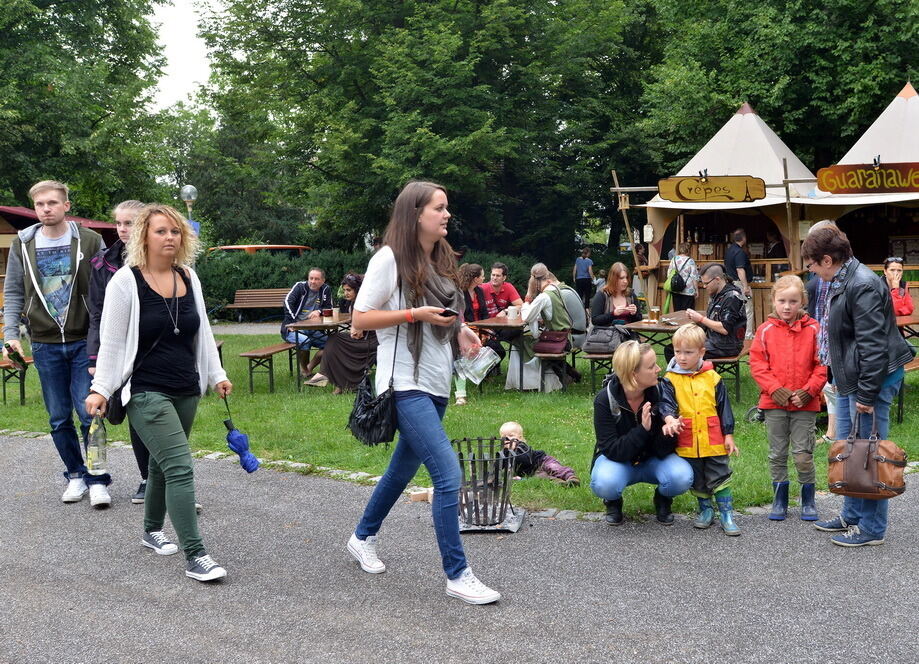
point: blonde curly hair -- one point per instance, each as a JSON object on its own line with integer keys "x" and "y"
{"x": 137, "y": 245}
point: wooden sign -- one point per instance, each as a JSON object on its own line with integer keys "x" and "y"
{"x": 712, "y": 189}
{"x": 868, "y": 179}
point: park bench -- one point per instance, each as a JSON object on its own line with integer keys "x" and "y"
{"x": 11, "y": 373}
{"x": 730, "y": 366}
{"x": 598, "y": 361}
{"x": 261, "y": 360}
{"x": 258, "y": 298}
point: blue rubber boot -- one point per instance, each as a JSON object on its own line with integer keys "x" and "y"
{"x": 706, "y": 514}
{"x": 779, "y": 501}
{"x": 726, "y": 512}
{"x": 808, "y": 505}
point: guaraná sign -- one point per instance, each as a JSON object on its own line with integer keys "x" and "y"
{"x": 712, "y": 189}
{"x": 869, "y": 179}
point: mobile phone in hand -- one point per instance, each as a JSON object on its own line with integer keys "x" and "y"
{"x": 446, "y": 313}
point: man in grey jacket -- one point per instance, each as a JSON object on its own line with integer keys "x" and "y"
{"x": 47, "y": 280}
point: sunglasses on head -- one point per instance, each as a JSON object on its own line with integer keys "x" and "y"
{"x": 893, "y": 259}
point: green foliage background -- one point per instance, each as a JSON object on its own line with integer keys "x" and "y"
{"x": 318, "y": 111}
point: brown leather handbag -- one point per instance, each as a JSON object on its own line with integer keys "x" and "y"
{"x": 866, "y": 468}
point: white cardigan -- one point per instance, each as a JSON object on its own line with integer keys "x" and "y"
{"x": 118, "y": 332}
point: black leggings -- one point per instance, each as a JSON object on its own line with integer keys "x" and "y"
{"x": 584, "y": 288}
{"x": 140, "y": 453}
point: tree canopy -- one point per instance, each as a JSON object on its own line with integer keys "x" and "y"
{"x": 318, "y": 111}
{"x": 74, "y": 81}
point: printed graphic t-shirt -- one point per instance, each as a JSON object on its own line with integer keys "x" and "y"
{"x": 52, "y": 256}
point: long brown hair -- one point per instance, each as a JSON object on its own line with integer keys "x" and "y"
{"x": 615, "y": 271}
{"x": 402, "y": 237}
{"x": 467, "y": 273}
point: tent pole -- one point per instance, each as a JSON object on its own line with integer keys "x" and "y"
{"x": 628, "y": 228}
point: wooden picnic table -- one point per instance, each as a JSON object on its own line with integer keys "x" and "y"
{"x": 909, "y": 325}
{"x": 660, "y": 331}
{"x": 343, "y": 323}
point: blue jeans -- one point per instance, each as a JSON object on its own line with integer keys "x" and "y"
{"x": 308, "y": 339}
{"x": 421, "y": 440}
{"x": 63, "y": 370}
{"x": 869, "y": 515}
{"x": 672, "y": 475}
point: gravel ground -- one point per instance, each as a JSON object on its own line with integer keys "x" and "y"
{"x": 78, "y": 587}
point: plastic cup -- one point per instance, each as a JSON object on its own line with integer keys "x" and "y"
{"x": 336, "y": 314}
{"x": 513, "y": 313}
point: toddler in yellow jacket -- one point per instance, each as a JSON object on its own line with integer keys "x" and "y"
{"x": 695, "y": 408}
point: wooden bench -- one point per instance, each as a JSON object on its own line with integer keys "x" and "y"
{"x": 18, "y": 375}
{"x": 261, "y": 360}
{"x": 912, "y": 365}
{"x": 545, "y": 361}
{"x": 731, "y": 366}
{"x": 259, "y": 298}
{"x": 598, "y": 361}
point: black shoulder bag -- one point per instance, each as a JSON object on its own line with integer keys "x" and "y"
{"x": 373, "y": 418}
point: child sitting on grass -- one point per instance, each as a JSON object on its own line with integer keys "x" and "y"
{"x": 784, "y": 363}
{"x": 695, "y": 407}
{"x": 535, "y": 462}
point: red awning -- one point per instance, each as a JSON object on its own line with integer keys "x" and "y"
{"x": 22, "y": 217}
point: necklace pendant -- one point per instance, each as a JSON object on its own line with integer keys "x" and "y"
{"x": 175, "y": 330}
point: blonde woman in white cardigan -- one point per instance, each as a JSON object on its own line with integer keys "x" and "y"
{"x": 156, "y": 341}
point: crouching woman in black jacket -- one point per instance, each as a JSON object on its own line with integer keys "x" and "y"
{"x": 631, "y": 446}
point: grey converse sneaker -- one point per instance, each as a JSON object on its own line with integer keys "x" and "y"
{"x": 138, "y": 498}
{"x": 158, "y": 541}
{"x": 203, "y": 568}
{"x": 469, "y": 589}
{"x": 365, "y": 552}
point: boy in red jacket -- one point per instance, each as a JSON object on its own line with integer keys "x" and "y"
{"x": 783, "y": 361}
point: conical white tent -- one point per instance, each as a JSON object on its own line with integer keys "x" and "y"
{"x": 894, "y": 137}
{"x": 745, "y": 145}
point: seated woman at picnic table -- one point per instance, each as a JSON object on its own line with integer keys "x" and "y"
{"x": 615, "y": 304}
{"x": 543, "y": 305}
{"x": 631, "y": 446}
{"x": 899, "y": 293}
{"x": 470, "y": 277}
{"x": 348, "y": 354}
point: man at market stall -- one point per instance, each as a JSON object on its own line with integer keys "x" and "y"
{"x": 724, "y": 321}
{"x": 738, "y": 268}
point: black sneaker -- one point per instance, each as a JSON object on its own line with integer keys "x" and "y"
{"x": 203, "y": 568}
{"x": 138, "y": 498}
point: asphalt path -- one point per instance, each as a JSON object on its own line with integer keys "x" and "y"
{"x": 76, "y": 586}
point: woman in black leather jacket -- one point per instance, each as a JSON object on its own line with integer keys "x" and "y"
{"x": 860, "y": 341}
{"x": 631, "y": 446}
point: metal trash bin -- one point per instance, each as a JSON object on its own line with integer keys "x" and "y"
{"x": 485, "y": 490}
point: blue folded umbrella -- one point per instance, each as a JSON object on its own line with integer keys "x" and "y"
{"x": 239, "y": 443}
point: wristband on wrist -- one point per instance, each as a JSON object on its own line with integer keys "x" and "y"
{"x": 410, "y": 315}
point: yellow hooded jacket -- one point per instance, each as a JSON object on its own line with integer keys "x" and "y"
{"x": 700, "y": 400}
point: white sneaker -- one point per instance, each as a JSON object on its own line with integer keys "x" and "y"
{"x": 365, "y": 552}
{"x": 74, "y": 491}
{"x": 469, "y": 589}
{"x": 98, "y": 496}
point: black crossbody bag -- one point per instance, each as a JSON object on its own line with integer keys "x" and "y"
{"x": 373, "y": 417}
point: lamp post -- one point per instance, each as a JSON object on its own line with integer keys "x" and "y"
{"x": 189, "y": 194}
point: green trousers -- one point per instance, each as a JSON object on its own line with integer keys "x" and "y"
{"x": 163, "y": 423}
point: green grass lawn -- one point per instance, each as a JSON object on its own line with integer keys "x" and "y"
{"x": 310, "y": 427}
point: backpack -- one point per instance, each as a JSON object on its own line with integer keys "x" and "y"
{"x": 677, "y": 282}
